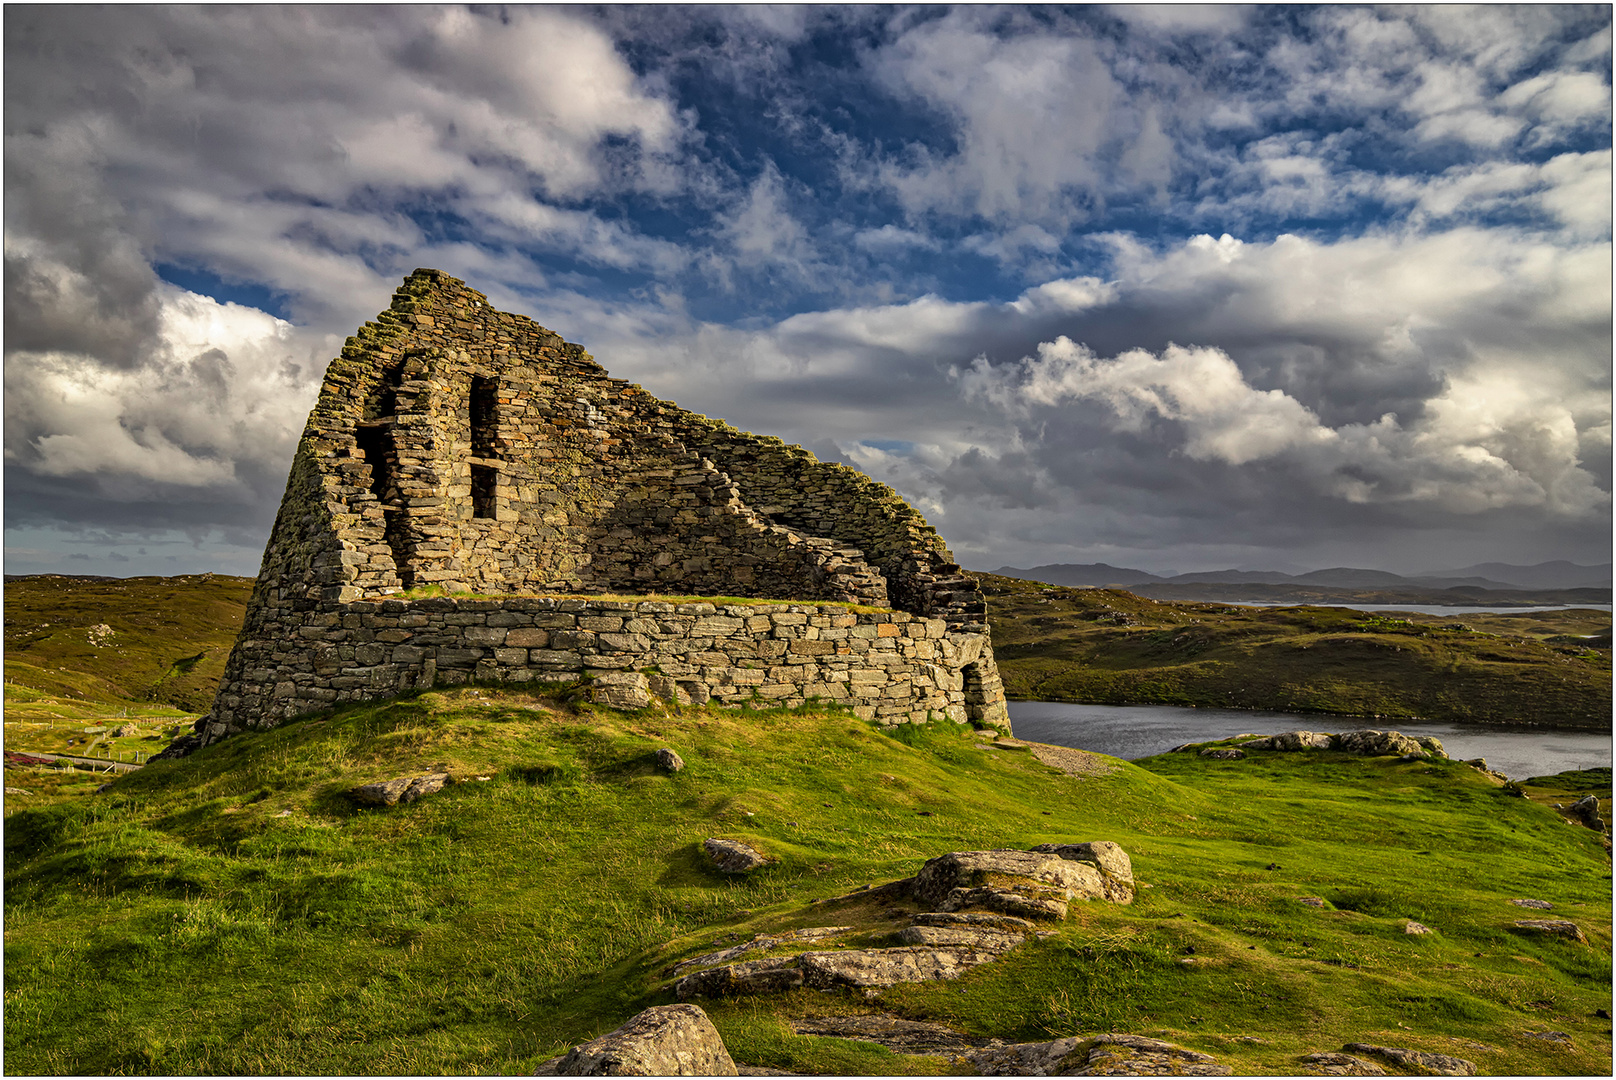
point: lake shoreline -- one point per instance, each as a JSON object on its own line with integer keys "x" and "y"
{"x": 1133, "y": 732}
{"x": 1371, "y": 719}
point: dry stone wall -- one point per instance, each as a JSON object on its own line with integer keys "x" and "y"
{"x": 888, "y": 666}
{"x": 472, "y": 450}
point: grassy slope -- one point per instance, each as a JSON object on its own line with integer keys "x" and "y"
{"x": 234, "y": 913}
{"x": 169, "y": 642}
{"x": 1108, "y": 646}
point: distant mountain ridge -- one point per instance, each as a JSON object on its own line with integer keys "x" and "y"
{"x": 1558, "y": 574}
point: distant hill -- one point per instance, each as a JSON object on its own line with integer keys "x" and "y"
{"x": 1558, "y": 574}
{"x": 1081, "y": 575}
{"x": 1471, "y": 581}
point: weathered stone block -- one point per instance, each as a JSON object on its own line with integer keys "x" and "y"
{"x": 526, "y": 638}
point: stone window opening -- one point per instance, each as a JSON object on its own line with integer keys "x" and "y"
{"x": 484, "y": 419}
{"x": 484, "y": 491}
{"x": 375, "y": 444}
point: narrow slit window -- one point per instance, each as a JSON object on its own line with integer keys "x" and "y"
{"x": 484, "y": 418}
{"x": 484, "y": 490}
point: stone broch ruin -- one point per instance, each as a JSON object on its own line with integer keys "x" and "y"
{"x": 470, "y": 453}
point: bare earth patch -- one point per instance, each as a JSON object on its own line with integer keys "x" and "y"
{"x": 1068, "y": 760}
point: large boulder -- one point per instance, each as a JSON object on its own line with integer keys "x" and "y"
{"x": 666, "y": 1040}
{"x": 1031, "y": 884}
{"x": 1586, "y": 810}
{"x": 1116, "y": 869}
{"x": 400, "y": 789}
{"x": 668, "y": 760}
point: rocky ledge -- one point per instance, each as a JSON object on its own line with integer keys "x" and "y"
{"x": 978, "y": 905}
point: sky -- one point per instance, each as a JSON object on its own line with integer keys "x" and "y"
{"x": 1173, "y": 288}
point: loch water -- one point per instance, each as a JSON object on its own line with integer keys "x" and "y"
{"x": 1136, "y": 731}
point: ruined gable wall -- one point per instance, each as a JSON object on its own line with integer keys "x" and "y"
{"x": 453, "y": 444}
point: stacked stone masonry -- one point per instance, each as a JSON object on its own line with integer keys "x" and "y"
{"x": 465, "y": 448}
{"x": 888, "y": 666}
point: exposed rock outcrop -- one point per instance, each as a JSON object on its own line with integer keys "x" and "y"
{"x": 1015, "y": 887}
{"x": 1334, "y": 1064}
{"x": 896, "y": 1034}
{"x": 1029, "y": 884}
{"x": 860, "y": 968}
{"x": 1422, "y": 1063}
{"x": 400, "y": 789}
{"x": 734, "y": 857}
{"x": 1104, "y": 1055}
{"x": 760, "y": 943}
{"x": 1373, "y": 743}
{"x": 1586, "y": 810}
{"x": 1553, "y": 928}
{"x": 666, "y": 1040}
{"x": 669, "y": 761}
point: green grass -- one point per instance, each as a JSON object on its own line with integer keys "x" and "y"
{"x": 235, "y": 912}
{"x": 1108, "y": 646}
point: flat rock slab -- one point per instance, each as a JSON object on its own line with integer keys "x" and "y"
{"x": 897, "y": 1035}
{"x": 987, "y": 919}
{"x": 667, "y": 1040}
{"x": 1523, "y": 901}
{"x": 400, "y": 789}
{"x": 732, "y": 856}
{"x": 1553, "y": 927}
{"x": 759, "y": 943}
{"x": 1334, "y": 1064}
{"x": 1558, "y": 1038}
{"x": 863, "y": 968}
{"x": 1105, "y": 1055}
{"x": 1421, "y": 1063}
{"x": 1223, "y": 753}
{"x": 974, "y": 937}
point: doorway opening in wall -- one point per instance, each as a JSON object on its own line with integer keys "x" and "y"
{"x": 974, "y": 698}
{"x": 484, "y": 489}
{"x": 376, "y": 444}
{"x": 484, "y": 420}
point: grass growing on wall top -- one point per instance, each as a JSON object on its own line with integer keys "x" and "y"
{"x": 422, "y": 592}
{"x": 234, "y": 912}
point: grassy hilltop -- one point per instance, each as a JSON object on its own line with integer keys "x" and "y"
{"x": 235, "y": 912}
{"x": 1108, "y": 646}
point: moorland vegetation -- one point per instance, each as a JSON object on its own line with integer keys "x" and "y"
{"x": 239, "y": 911}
